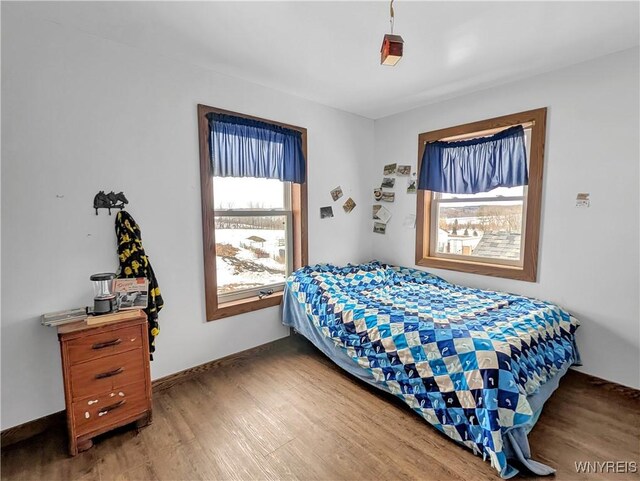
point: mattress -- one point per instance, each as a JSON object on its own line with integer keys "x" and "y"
{"x": 478, "y": 365}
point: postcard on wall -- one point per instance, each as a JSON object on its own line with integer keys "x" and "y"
{"x": 388, "y": 182}
{"x": 326, "y": 212}
{"x": 336, "y": 193}
{"x": 349, "y": 205}
{"x": 374, "y": 210}
{"x": 381, "y": 214}
{"x": 409, "y": 221}
{"x": 390, "y": 169}
{"x": 404, "y": 170}
{"x": 379, "y": 228}
{"x": 131, "y": 293}
{"x": 377, "y": 194}
{"x": 388, "y": 197}
{"x": 411, "y": 185}
{"x": 582, "y": 200}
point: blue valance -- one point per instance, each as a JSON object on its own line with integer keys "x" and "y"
{"x": 241, "y": 147}
{"x": 475, "y": 165}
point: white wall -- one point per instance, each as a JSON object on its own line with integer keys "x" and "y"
{"x": 82, "y": 114}
{"x": 588, "y": 261}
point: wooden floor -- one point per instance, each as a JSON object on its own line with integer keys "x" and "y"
{"x": 289, "y": 413}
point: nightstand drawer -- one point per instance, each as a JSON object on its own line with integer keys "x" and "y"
{"x": 104, "y": 344}
{"x": 107, "y": 373}
{"x": 93, "y": 413}
{"x": 107, "y": 382}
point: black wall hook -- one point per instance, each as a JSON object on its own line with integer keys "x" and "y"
{"x": 109, "y": 201}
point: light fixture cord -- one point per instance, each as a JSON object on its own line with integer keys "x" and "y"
{"x": 391, "y": 19}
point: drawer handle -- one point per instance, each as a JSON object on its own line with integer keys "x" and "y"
{"x": 107, "y": 409}
{"x": 115, "y": 372}
{"x": 102, "y": 345}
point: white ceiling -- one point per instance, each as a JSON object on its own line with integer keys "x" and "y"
{"x": 328, "y": 52}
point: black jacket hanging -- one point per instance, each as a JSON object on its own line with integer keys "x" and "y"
{"x": 135, "y": 263}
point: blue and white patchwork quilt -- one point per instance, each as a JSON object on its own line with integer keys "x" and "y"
{"x": 464, "y": 359}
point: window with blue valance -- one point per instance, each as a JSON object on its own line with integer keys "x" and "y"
{"x": 241, "y": 147}
{"x": 475, "y": 165}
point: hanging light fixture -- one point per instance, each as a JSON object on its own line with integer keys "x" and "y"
{"x": 391, "y": 50}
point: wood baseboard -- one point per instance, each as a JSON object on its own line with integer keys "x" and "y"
{"x": 57, "y": 420}
{"x": 171, "y": 380}
{"x": 625, "y": 391}
{"x": 32, "y": 428}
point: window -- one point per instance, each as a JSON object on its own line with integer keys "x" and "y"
{"x": 491, "y": 233}
{"x": 483, "y": 227}
{"x": 253, "y": 236}
{"x": 254, "y": 232}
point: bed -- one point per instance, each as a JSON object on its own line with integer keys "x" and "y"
{"x": 477, "y": 365}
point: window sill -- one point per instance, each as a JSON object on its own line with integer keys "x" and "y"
{"x": 242, "y": 306}
{"x": 525, "y": 273}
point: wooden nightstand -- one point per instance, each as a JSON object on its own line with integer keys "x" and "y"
{"x": 107, "y": 383}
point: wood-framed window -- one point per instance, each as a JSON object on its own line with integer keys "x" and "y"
{"x": 494, "y": 233}
{"x": 254, "y": 232}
